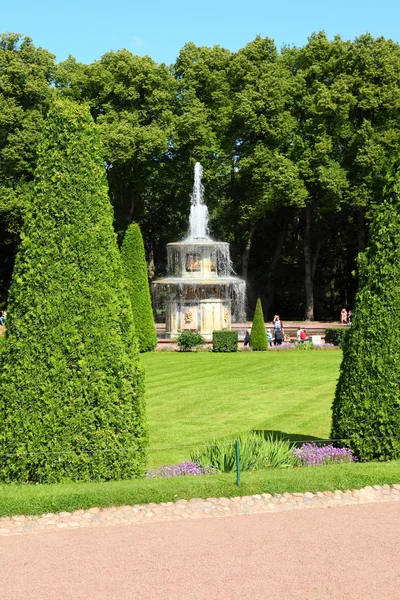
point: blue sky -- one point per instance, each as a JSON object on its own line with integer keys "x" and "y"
{"x": 87, "y": 29}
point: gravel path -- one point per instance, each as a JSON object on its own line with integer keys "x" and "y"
{"x": 344, "y": 552}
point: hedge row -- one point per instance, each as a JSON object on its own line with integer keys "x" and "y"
{"x": 225, "y": 341}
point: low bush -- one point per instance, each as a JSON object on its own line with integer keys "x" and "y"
{"x": 256, "y": 452}
{"x": 188, "y": 340}
{"x": 336, "y": 336}
{"x": 225, "y": 341}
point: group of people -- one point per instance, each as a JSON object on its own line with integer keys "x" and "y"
{"x": 346, "y": 317}
{"x": 276, "y": 334}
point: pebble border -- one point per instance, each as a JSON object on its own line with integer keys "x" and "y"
{"x": 196, "y": 508}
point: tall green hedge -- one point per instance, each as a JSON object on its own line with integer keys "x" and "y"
{"x": 71, "y": 383}
{"x": 135, "y": 270}
{"x": 258, "y": 335}
{"x": 366, "y": 409}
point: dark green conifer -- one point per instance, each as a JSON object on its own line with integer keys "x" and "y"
{"x": 258, "y": 336}
{"x": 71, "y": 383}
{"x": 366, "y": 409}
{"x": 135, "y": 269}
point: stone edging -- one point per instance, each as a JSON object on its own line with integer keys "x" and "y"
{"x": 195, "y": 508}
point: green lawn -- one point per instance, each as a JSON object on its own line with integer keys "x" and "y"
{"x": 193, "y": 398}
{"x": 39, "y": 499}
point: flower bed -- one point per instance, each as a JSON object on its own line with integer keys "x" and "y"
{"x": 310, "y": 454}
{"x": 186, "y": 467}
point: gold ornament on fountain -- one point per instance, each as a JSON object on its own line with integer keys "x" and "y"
{"x": 188, "y": 317}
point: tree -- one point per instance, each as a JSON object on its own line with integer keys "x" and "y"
{"x": 265, "y": 180}
{"x": 133, "y": 100}
{"x": 137, "y": 283}
{"x": 366, "y": 409}
{"x": 71, "y": 384}
{"x": 258, "y": 336}
{"x": 25, "y": 75}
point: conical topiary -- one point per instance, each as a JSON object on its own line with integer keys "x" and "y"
{"x": 71, "y": 384}
{"x": 135, "y": 270}
{"x": 366, "y": 409}
{"x": 258, "y": 336}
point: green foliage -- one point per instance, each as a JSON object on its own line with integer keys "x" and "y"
{"x": 256, "y": 452}
{"x": 221, "y": 394}
{"x": 304, "y": 346}
{"x": 258, "y": 335}
{"x": 336, "y": 336}
{"x": 40, "y": 499}
{"x": 71, "y": 384}
{"x": 366, "y": 409}
{"x": 188, "y": 340}
{"x": 137, "y": 283}
{"x": 225, "y": 341}
{"x": 26, "y": 74}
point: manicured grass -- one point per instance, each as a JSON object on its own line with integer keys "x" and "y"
{"x": 38, "y": 499}
{"x": 193, "y": 398}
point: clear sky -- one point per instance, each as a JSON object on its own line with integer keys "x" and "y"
{"x": 88, "y": 28}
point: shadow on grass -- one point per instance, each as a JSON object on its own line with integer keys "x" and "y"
{"x": 295, "y": 438}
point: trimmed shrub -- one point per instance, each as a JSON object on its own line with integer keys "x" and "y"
{"x": 225, "y": 341}
{"x": 71, "y": 383}
{"x": 188, "y": 340}
{"x": 137, "y": 283}
{"x": 258, "y": 335}
{"x": 366, "y": 409}
{"x": 336, "y": 336}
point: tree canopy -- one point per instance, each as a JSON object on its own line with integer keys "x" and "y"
{"x": 294, "y": 145}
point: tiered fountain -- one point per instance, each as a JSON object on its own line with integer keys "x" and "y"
{"x": 200, "y": 292}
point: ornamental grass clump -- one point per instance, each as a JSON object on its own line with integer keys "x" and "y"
{"x": 310, "y": 454}
{"x": 186, "y": 467}
{"x": 256, "y": 452}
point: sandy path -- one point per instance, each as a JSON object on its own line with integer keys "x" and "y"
{"x": 349, "y": 552}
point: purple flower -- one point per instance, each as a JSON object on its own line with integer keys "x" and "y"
{"x": 310, "y": 454}
{"x": 186, "y": 467}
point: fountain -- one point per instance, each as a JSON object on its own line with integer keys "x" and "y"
{"x": 201, "y": 293}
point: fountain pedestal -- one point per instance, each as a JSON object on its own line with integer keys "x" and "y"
{"x": 199, "y": 293}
